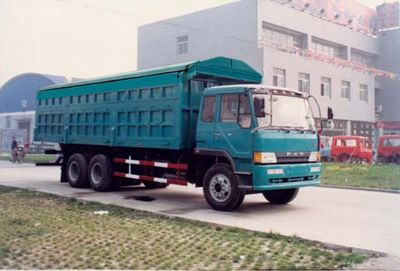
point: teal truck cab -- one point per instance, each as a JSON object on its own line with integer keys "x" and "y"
{"x": 206, "y": 123}
{"x": 269, "y": 137}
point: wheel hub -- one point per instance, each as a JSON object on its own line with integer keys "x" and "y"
{"x": 73, "y": 171}
{"x": 220, "y": 188}
{"x": 96, "y": 173}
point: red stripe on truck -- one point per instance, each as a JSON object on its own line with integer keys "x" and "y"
{"x": 119, "y": 174}
{"x": 119, "y": 160}
{"x": 152, "y": 163}
{"x": 150, "y": 179}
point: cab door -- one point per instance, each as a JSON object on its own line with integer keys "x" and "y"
{"x": 206, "y": 123}
{"x": 233, "y": 125}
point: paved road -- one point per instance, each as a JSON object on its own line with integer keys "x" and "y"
{"x": 361, "y": 219}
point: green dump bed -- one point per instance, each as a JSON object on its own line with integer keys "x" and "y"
{"x": 155, "y": 108}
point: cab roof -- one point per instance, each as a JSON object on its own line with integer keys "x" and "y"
{"x": 255, "y": 88}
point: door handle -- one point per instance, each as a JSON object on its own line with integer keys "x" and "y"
{"x": 217, "y": 134}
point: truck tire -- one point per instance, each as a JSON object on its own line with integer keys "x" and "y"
{"x": 100, "y": 173}
{"x": 77, "y": 169}
{"x": 221, "y": 188}
{"x": 281, "y": 196}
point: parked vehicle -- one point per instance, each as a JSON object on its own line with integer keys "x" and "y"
{"x": 389, "y": 149}
{"x": 325, "y": 144}
{"x": 356, "y": 149}
{"x": 165, "y": 126}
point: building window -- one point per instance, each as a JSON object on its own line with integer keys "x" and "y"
{"x": 363, "y": 58}
{"x": 182, "y": 45}
{"x": 8, "y": 121}
{"x": 346, "y": 87}
{"x": 363, "y": 92}
{"x": 326, "y": 86}
{"x": 304, "y": 82}
{"x": 274, "y": 36}
{"x": 278, "y": 77}
{"x": 327, "y": 49}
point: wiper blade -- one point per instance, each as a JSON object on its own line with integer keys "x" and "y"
{"x": 284, "y": 128}
{"x": 269, "y": 127}
{"x": 298, "y": 128}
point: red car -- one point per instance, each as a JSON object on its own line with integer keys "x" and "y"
{"x": 389, "y": 149}
{"x": 355, "y": 149}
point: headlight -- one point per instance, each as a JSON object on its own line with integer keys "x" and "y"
{"x": 314, "y": 157}
{"x": 264, "y": 158}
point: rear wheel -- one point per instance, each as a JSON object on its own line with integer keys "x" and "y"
{"x": 77, "y": 168}
{"x": 100, "y": 173}
{"x": 281, "y": 196}
{"x": 221, "y": 188}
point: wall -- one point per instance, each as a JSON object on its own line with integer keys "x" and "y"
{"x": 229, "y": 31}
{"x": 14, "y": 118}
{"x": 311, "y": 26}
{"x": 388, "y": 94}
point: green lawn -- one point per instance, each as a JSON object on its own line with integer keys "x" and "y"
{"x": 365, "y": 176}
{"x": 33, "y": 158}
{"x": 42, "y": 231}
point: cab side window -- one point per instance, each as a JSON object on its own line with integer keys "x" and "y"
{"x": 244, "y": 112}
{"x": 236, "y": 108}
{"x": 208, "y": 111}
{"x": 229, "y": 108}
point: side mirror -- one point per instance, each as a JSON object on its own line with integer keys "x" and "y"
{"x": 259, "y": 107}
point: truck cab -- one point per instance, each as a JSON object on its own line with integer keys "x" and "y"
{"x": 355, "y": 149}
{"x": 389, "y": 149}
{"x": 266, "y": 137}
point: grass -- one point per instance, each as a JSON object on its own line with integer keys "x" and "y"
{"x": 42, "y": 231}
{"x": 32, "y": 158}
{"x": 365, "y": 176}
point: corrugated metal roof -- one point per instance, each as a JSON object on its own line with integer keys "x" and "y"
{"x": 214, "y": 66}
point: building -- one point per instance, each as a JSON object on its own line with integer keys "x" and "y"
{"x": 388, "y": 91}
{"x": 18, "y": 103}
{"x": 328, "y": 48}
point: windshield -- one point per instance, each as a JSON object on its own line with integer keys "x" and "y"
{"x": 283, "y": 111}
{"x": 392, "y": 142}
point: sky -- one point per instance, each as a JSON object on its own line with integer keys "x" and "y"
{"x": 82, "y": 38}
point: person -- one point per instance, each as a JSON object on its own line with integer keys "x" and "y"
{"x": 14, "y": 149}
{"x": 14, "y": 144}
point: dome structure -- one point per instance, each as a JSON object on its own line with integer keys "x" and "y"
{"x": 19, "y": 93}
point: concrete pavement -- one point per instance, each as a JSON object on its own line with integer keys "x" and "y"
{"x": 360, "y": 219}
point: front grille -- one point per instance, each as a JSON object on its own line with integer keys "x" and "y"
{"x": 292, "y": 157}
{"x": 293, "y": 180}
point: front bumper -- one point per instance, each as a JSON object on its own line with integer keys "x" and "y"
{"x": 274, "y": 177}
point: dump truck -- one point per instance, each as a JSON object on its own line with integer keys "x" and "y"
{"x": 206, "y": 123}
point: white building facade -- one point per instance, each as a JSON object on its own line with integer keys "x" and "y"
{"x": 291, "y": 47}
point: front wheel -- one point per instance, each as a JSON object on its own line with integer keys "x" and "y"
{"x": 221, "y": 188}
{"x": 281, "y": 196}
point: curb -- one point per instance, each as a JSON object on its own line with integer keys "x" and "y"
{"x": 381, "y": 190}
